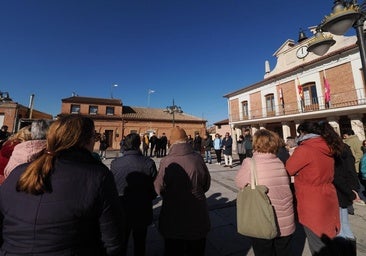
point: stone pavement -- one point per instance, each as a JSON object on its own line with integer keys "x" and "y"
{"x": 223, "y": 240}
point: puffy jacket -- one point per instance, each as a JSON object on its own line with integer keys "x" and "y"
{"x": 79, "y": 217}
{"x": 272, "y": 173}
{"x": 24, "y": 152}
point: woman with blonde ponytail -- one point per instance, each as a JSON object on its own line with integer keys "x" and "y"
{"x": 63, "y": 203}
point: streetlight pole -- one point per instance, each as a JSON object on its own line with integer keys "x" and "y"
{"x": 172, "y": 110}
{"x": 361, "y": 43}
{"x": 113, "y": 85}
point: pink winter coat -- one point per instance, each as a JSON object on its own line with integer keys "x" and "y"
{"x": 24, "y": 152}
{"x": 272, "y": 173}
{"x": 312, "y": 164}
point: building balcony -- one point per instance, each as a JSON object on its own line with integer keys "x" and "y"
{"x": 344, "y": 102}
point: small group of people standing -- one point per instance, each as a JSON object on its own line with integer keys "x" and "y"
{"x": 67, "y": 202}
{"x": 244, "y": 145}
{"x": 158, "y": 145}
{"x": 322, "y": 168}
{"x": 223, "y": 146}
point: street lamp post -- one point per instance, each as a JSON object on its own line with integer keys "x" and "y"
{"x": 344, "y": 15}
{"x": 172, "y": 110}
{"x": 113, "y": 85}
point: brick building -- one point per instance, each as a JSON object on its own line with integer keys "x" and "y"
{"x": 15, "y": 115}
{"x": 304, "y": 87}
{"x": 115, "y": 120}
{"x": 222, "y": 127}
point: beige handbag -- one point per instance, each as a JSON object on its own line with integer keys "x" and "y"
{"x": 255, "y": 213}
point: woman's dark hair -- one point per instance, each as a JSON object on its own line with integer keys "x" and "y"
{"x": 132, "y": 142}
{"x": 309, "y": 127}
{"x": 324, "y": 129}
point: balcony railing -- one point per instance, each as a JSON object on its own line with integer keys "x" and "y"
{"x": 290, "y": 107}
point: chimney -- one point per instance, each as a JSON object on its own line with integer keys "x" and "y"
{"x": 31, "y": 103}
{"x": 266, "y": 67}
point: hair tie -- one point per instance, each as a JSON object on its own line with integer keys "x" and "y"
{"x": 50, "y": 153}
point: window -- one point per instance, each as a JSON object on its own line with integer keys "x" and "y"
{"x": 310, "y": 97}
{"x": 93, "y": 110}
{"x": 75, "y": 109}
{"x": 110, "y": 110}
{"x": 244, "y": 108}
{"x": 270, "y": 104}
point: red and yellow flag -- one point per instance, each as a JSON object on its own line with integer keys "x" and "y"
{"x": 299, "y": 88}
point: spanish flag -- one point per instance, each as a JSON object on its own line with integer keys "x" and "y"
{"x": 299, "y": 88}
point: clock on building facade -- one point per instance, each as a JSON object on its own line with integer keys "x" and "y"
{"x": 302, "y": 52}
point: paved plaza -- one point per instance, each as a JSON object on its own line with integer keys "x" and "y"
{"x": 223, "y": 240}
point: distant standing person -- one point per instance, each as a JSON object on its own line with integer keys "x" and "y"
{"x": 207, "y": 146}
{"x": 153, "y": 140}
{"x": 158, "y": 147}
{"x": 103, "y": 146}
{"x": 241, "y": 148}
{"x": 227, "y": 148}
{"x": 164, "y": 144}
{"x": 190, "y": 140}
{"x": 134, "y": 174}
{"x": 364, "y": 146}
{"x": 355, "y": 144}
{"x": 197, "y": 143}
{"x": 248, "y": 143}
{"x": 182, "y": 181}
{"x": 121, "y": 143}
{"x": 217, "y": 143}
{"x": 145, "y": 144}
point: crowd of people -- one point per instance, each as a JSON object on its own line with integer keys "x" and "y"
{"x": 58, "y": 198}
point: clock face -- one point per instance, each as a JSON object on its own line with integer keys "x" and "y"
{"x": 302, "y": 52}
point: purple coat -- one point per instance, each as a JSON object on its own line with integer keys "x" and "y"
{"x": 182, "y": 181}
{"x": 272, "y": 173}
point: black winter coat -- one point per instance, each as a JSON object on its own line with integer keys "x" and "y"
{"x": 345, "y": 177}
{"x": 227, "y": 144}
{"x": 134, "y": 175}
{"x": 79, "y": 217}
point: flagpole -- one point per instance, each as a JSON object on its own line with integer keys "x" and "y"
{"x": 148, "y": 96}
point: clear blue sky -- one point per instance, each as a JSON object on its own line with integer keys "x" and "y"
{"x": 194, "y": 51}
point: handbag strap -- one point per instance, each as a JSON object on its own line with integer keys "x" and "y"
{"x": 253, "y": 174}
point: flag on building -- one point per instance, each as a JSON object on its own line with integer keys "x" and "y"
{"x": 151, "y": 91}
{"x": 280, "y": 92}
{"x": 300, "y": 90}
{"x": 326, "y": 90}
